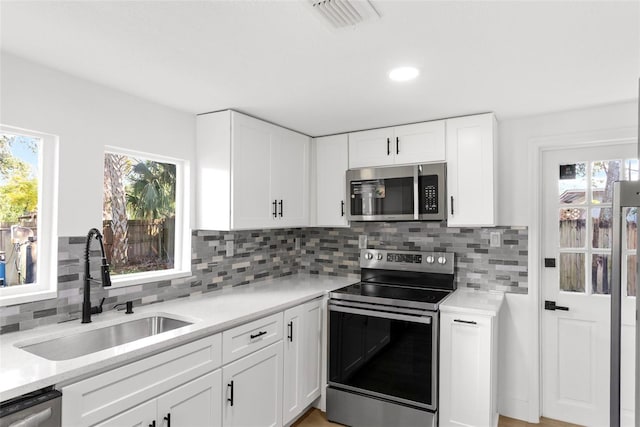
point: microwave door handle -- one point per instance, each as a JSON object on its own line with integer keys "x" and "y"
{"x": 382, "y": 314}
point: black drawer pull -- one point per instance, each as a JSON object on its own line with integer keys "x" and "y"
{"x": 259, "y": 334}
{"x": 230, "y": 399}
{"x": 468, "y": 322}
{"x": 168, "y": 419}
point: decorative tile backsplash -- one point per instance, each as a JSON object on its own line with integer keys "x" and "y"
{"x": 261, "y": 254}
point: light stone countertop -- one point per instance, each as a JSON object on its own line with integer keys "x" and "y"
{"x": 473, "y": 301}
{"x": 22, "y": 372}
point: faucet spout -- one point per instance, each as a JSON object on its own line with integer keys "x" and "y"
{"x": 104, "y": 271}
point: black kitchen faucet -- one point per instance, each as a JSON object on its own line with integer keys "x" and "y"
{"x": 87, "y": 310}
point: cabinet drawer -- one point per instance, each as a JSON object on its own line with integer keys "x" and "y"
{"x": 95, "y": 399}
{"x": 247, "y": 338}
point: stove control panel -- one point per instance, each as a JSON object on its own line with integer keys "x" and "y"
{"x": 436, "y": 262}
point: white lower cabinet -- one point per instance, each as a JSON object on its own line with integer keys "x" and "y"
{"x": 194, "y": 404}
{"x": 468, "y": 370}
{"x": 253, "y": 389}
{"x": 302, "y": 355}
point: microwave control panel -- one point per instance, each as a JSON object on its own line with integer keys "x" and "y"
{"x": 428, "y": 185}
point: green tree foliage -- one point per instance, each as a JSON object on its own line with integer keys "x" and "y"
{"x": 18, "y": 189}
{"x": 152, "y": 190}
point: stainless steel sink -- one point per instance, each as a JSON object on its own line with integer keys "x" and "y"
{"x": 82, "y": 343}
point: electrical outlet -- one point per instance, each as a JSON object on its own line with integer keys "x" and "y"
{"x": 362, "y": 241}
{"x": 495, "y": 239}
{"x": 229, "y": 247}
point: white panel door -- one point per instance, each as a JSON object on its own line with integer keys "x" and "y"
{"x": 419, "y": 143}
{"x": 470, "y": 171}
{"x": 251, "y": 148}
{"x": 577, "y": 230}
{"x": 252, "y": 389}
{"x": 139, "y": 416}
{"x": 331, "y": 164}
{"x": 290, "y": 178}
{"x": 195, "y": 404}
{"x": 371, "y": 148}
{"x": 311, "y": 335}
{"x": 293, "y": 362}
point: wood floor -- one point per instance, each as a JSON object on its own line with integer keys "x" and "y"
{"x": 315, "y": 418}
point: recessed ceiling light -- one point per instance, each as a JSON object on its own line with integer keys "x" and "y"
{"x": 402, "y": 74}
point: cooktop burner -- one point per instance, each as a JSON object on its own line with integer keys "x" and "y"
{"x": 394, "y": 295}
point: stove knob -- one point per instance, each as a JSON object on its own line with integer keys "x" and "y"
{"x": 430, "y": 259}
{"x": 368, "y": 255}
{"x": 442, "y": 260}
{"x": 379, "y": 257}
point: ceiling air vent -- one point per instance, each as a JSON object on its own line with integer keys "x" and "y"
{"x": 345, "y": 13}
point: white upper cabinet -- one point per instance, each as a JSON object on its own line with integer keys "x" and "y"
{"x": 331, "y": 162}
{"x": 250, "y": 174}
{"x": 471, "y": 180}
{"x": 416, "y": 143}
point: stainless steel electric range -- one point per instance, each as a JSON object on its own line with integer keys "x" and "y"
{"x": 383, "y": 340}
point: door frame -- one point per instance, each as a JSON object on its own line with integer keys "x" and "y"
{"x": 537, "y": 147}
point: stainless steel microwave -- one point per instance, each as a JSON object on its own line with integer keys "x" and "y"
{"x": 397, "y": 193}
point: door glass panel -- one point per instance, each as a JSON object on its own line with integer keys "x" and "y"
{"x": 573, "y": 231}
{"x": 601, "y": 222}
{"x": 632, "y": 279}
{"x": 631, "y": 219}
{"x": 631, "y": 170}
{"x": 574, "y": 190}
{"x": 572, "y": 272}
{"x": 601, "y": 273}
{"x": 603, "y": 174}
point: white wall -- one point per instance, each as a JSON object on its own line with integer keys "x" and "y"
{"x": 87, "y": 117}
{"x": 517, "y": 364}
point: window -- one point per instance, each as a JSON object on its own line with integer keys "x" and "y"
{"x": 145, "y": 227}
{"x": 28, "y": 194}
{"x": 586, "y": 226}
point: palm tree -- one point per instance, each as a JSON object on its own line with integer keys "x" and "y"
{"x": 116, "y": 167}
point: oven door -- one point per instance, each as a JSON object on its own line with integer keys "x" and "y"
{"x": 389, "y": 353}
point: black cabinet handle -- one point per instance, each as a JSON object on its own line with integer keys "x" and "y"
{"x": 468, "y": 322}
{"x": 153, "y": 424}
{"x": 397, "y": 145}
{"x": 275, "y": 208}
{"x": 230, "y": 399}
{"x": 290, "y": 334}
{"x": 168, "y": 419}
{"x": 259, "y": 334}
{"x": 280, "y": 203}
{"x": 388, "y": 150}
{"x": 451, "y": 205}
{"x": 342, "y": 208}
{"x": 551, "y": 305}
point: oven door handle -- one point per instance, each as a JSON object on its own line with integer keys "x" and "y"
{"x": 393, "y": 316}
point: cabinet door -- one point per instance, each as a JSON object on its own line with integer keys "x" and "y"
{"x": 311, "y": 350}
{"x": 292, "y": 403}
{"x": 252, "y": 389}
{"x": 331, "y": 163}
{"x": 290, "y": 178}
{"x": 470, "y": 171}
{"x": 196, "y": 403}
{"x": 139, "y": 416}
{"x": 465, "y": 370}
{"x": 370, "y": 148}
{"x": 251, "y": 150}
{"x": 419, "y": 143}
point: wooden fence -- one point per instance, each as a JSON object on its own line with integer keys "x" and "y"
{"x": 147, "y": 239}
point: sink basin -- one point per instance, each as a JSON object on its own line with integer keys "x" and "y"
{"x": 82, "y": 343}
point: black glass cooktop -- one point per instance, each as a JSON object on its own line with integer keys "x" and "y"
{"x": 391, "y": 295}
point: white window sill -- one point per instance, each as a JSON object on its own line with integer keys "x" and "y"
{"x": 24, "y": 297}
{"x": 121, "y": 281}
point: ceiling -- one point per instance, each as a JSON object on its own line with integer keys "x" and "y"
{"x": 280, "y": 61}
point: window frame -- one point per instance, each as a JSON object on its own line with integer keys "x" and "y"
{"x": 46, "y": 287}
{"x": 182, "y": 245}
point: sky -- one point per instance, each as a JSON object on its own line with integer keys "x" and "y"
{"x": 21, "y": 148}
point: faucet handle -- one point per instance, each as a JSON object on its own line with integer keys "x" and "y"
{"x": 97, "y": 309}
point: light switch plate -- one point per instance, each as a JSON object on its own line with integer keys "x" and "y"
{"x": 495, "y": 239}
{"x": 229, "y": 247}
{"x": 362, "y": 241}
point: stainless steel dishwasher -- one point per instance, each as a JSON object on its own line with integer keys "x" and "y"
{"x": 38, "y": 409}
